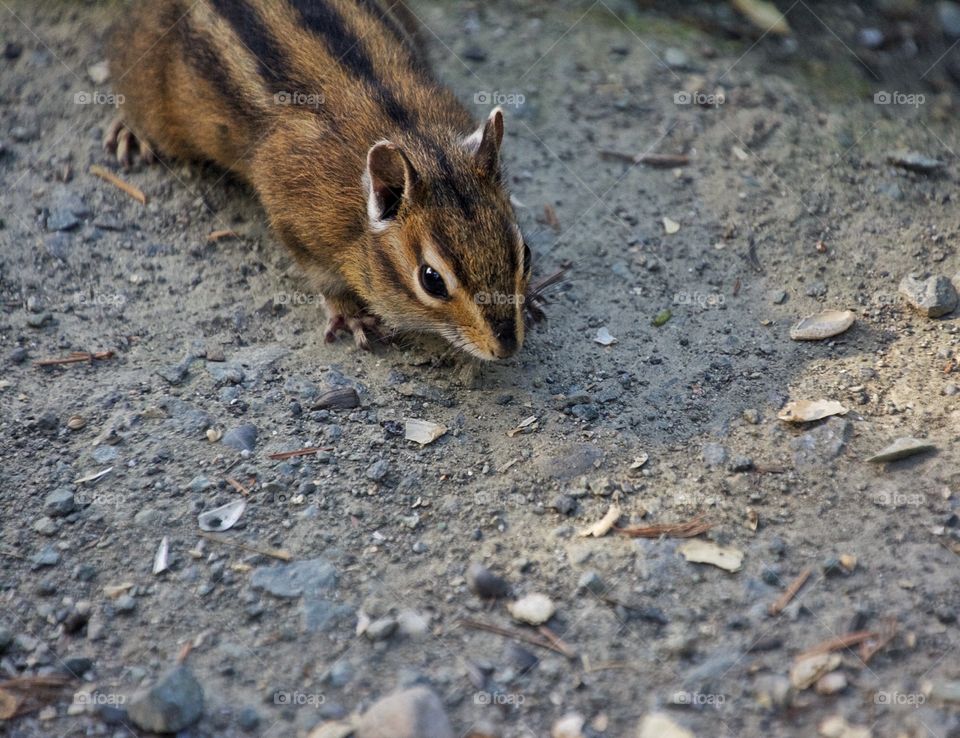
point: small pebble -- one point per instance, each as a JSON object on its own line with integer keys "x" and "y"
{"x": 484, "y": 583}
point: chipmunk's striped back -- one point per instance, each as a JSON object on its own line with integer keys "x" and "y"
{"x": 351, "y": 64}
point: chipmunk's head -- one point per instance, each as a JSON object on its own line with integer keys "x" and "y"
{"x": 447, "y": 254}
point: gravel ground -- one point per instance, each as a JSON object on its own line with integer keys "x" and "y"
{"x": 788, "y": 206}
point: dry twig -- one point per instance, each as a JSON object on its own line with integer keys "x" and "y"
{"x": 552, "y": 644}
{"x": 790, "y": 592}
{"x": 135, "y": 192}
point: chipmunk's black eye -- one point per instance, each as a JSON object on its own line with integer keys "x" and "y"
{"x": 432, "y": 282}
{"x": 527, "y": 259}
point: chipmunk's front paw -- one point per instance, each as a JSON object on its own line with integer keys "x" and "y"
{"x": 345, "y": 316}
{"x": 122, "y": 143}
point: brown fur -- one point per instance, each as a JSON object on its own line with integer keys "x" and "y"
{"x": 201, "y": 80}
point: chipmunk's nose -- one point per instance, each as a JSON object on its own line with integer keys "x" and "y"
{"x": 506, "y": 333}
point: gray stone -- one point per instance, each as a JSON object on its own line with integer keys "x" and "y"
{"x": 381, "y": 629}
{"x": 339, "y": 674}
{"x": 413, "y": 625}
{"x": 590, "y": 581}
{"x": 714, "y": 455}
{"x": 948, "y": 13}
{"x": 675, "y": 58}
{"x": 170, "y": 705}
{"x": 39, "y": 320}
{"x": 292, "y": 580}
{"x": 148, "y": 517}
{"x": 47, "y": 557}
{"x": 823, "y": 443}
{"x": 248, "y": 719}
{"x": 378, "y": 471}
{"x": 241, "y": 438}
{"x": 104, "y": 454}
{"x": 125, "y": 604}
{"x": 59, "y": 502}
{"x": 412, "y": 713}
{"x": 931, "y": 296}
{"x": 740, "y": 463}
{"x": 45, "y": 526}
{"x": 174, "y": 374}
{"x": 587, "y": 412}
{"x": 564, "y": 504}
{"x": 484, "y": 583}
{"x": 226, "y": 373}
{"x": 200, "y": 484}
{"x": 6, "y": 639}
{"x": 61, "y": 220}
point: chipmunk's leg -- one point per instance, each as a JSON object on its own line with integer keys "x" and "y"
{"x": 125, "y": 145}
{"x": 345, "y": 314}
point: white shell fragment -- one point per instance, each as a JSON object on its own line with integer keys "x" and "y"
{"x": 661, "y": 725}
{"x": 603, "y": 337}
{"x": 805, "y": 411}
{"x": 534, "y": 609}
{"x": 222, "y": 518}
{"x": 901, "y": 449}
{"x": 708, "y": 552}
{"x": 423, "y": 431}
{"x": 161, "y": 561}
{"x": 670, "y": 226}
{"x": 603, "y": 526}
{"x": 822, "y": 325}
{"x": 808, "y": 670}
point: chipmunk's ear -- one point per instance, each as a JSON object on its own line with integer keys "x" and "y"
{"x": 389, "y": 180}
{"x": 485, "y": 142}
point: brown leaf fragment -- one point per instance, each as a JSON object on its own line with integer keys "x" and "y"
{"x": 688, "y": 529}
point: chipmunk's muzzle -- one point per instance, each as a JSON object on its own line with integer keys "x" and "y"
{"x": 505, "y": 332}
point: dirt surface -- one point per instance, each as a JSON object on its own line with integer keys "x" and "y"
{"x": 788, "y": 206}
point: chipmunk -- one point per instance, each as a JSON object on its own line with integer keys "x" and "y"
{"x": 371, "y": 173}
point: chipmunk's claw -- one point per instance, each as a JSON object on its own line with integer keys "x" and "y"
{"x": 124, "y": 144}
{"x": 363, "y": 327}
